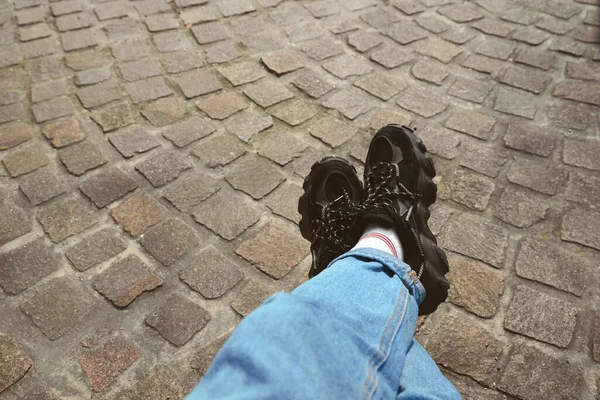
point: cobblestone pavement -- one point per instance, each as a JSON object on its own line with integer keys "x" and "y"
{"x": 153, "y": 153}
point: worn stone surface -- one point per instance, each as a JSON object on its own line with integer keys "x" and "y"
{"x": 417, "y": 102}
{"x": 178, "y": 319}
{"x": 227, "y": 213}
{"x": 429, "y": 72}
{"x": 541, "y": 176}
{"x": 13, "y": 134}
{"x": 58, "y": 306}
{"x": 282, "y": 147}
{"x": 546, "y": 318}
{"x": 112, "y": 116}
{"x": 132, "y": 141}
{"x": 147, "y": 90}
{"x": 526, "y": 79}
{"x": 66, "y": 217}
{"x": 138, "y": 212}
{"x": 578, "y": 226}
{"x": 14, "y": 223}
{"x": 63, "y": 132}
{"x": 379, "y": 85}
{"x": 218, "y": 150}
{"x": 469, "y": 189}
{"x": 474, "y": 286}
{"x": 583, "y": 188}
{"x": 41, "y": 185}
{"x": 96, "y": 248}
{"x": 188, "y": 131}
{"x": 242, "y": 73}
{"x": 125, "y": 280}
{"x": 520, "y": 207}
{"x": 170, "y": 241}
{"x": 581, "y": 153}
{"x": 332, "y": 131}
{"x": 443, "y": 143}
{"x": 313, "y": 84}
{"x": 82, "y": 157}
{"x": 294, "y": 112}
{"x": 251, "y": 296}
{"x": 190, "y": 191}
{"x": 246, "y": 124}
{"x": 164, "y": 167}
{"x": 530, "y": 139}
{"x": 241, "y": 173}
{"x": 472, "y": 123}
{"x": 352, "y": 102}
{"x": 16, "y": 362}
{"x": 25, "y": 160}
{"x": 284, "y": 201}
{"x": 165, "y": 111}
{"x": 107, "y": 186}
{"x": 197, "y": 83}
{"x": 211, "y": 274}
{"x": 282, "y": 62}
{"x": 222, "y": 106}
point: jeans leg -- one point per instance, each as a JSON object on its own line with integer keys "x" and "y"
{"x": 342, "y": 335}
{"x": 422, "y": 379}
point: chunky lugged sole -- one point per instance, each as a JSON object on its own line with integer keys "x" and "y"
{"x": 304, "y": 202}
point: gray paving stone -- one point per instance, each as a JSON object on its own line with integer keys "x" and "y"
{"x": 439, "y": 49}
{"x": 294, "y": 112}
{"x": 218, "y": 150}
{"x": 568, "y": 46}
{"x": 99, "y": 94}
{"x": 483, "y": 64}
{"x": 148, "y": 89}
{"x": 114, "y": 115}
{"x": 124, "y": 280}
{"x": 496, "y": 48}
{"x": 87, "y": 59}
{"x": 9, "y": 96}
{"x": 25, "y": 160}
{"x": 89, "y": 77}
{"x": 222, "y": 106}
{"x": 267, "y": 93}
{"x": 432, "y": 23}
{"x": 112, "y": 10}
{"x": 36, "y": 31}
{"x": 578, "y": 225}
{"x": 533, "y": 373}
{"x": 583, "y": 71}
{"x": 552, "y": 265}
{"x": 211, "y": 274}
{"x": 323, "y": 8}
{"x": 408, "y": 7}
{"x": 282, "y": 62}
{"x": 521, "y": 15}
{"x": 332, "y": 131}
{"x": 161, "y": 22}
{"x": 526, "y": 79}
{"x": 41, "y": 185}
{"x": 274, "y": 251}
{"x": 241, "y": 174}
{"x": 541, "y": 176}
{"x": 363, "y": 40}
{"x": 80, "y": 39}
{"x": 242, "y": 73}
{"x": 535, "y": 58}
{"x": 198, "y": 83}
{"x": 405, "y": 33}
{"x": 586, "y": 34}
{"x": 441, "y": 142}
{"x": 137, "y": 70}
{"x": 26, "y": 265}
{"x": 246, "y": 124}
{"x": 188, "y": 131}
{"x": 95, "y": 249}
{"x": 474, "y": 287}
{"x": 460, "y": 13}
{"x": 380, "y": 85}
{"x": 222, "y": 53}
{"x": 581, "y": 91}
{"x": 172, "y": 41}
{"x": 66, "y": 217}
{"x": 391, "y": 56}
{"x": 13, "y": 134}
{"x": 431, "y": 72}
{"x": 109, "y": 185}
{"x": 469, "y": 189}
{"x": 42, "y": 47}
{"x": 284, "y": 201}
{"x": 492, "y": 27}
{"x": 10, "y": 56}
{"x": 476, "y": 237}
{"x": 560, "y": 9}
{"x": 546, "y": 318}
{"x": 381, "y": 16}
{"x": 30, "y": 15}
{"x": 12, "y": 112}
{"x": 138, "y": 212}
{"x": 210, "y": 32}
{"x": 303, "y": 31}
{"x": 529, "y": 138}
{"x": 178, "y": 319}
{"x": 252, "y": 295}
{"x": 151, "y": 7}
{"x": 169, "y": 241}
{"x": 165, "y": 111}
{"x": 583, "y": 188}
{"x": 466, "y": 347}
{"x": 74, "y": 21}
{"x": 484, "y": 160}
{"x": 130, "y": 50}
{"x": 313, "y": 84}
{"x": 471, "y": 90}
{"x": 582, "y": 153}
{"x": 48, "y": 90}
{"x": 569, "y": 116}
{"x": 58, "y": 307}
{"x": 301, "y": 166}
{"x": 164, "y": 167}
{"x": 282, "y": 147}
{"x": 472, "y": 123}
{"x": 82, "y": 157}
{"x": 516, "y": 102}
{"x": 530, "y": 35}
{"x": 322, "y": 48}
{"x": 203, "y": 14}
{"x": 180, "y": 61}
{"x": 17, "y": 362}
{"x": 414, "y": 100}
{"x": 351, "y": 102}
{"x": 520, "y": 208}
{"x": 190, "y": 191}
{"x": 51, "y": 109}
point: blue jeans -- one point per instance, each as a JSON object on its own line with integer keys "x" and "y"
{"x": 345, "y": 334}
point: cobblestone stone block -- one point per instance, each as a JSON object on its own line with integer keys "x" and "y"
{"x": 294, "y": 112}
{"x": 39, "y": 48}
{"x": 405, "y": 33}
{"x": 82, "y": 157}
{"x": 10, "y": 96}
{"x": 227, "y": 213}
{"x": 529, "y": 138}
{"x": 530, "y": 35}
{"x": 13, "y": 134}
{"x": 414, "y": 100}
{"x": 582, "y": 153}
{"x": 568, "y": 116}
{"x": 33, "y": 32}
{"x": 148, "y": 89}
{"x": 381, "y": 16}
{"x": 515, "y": 102}
{"x": 222, "y": 53}
{"x": 475, "y": 237}
{"x": 12, "y": 112}
{"x": 25, "y": 160}
{"x": 521, "y": 15}
{"x": 141, "y": 69}
{"x": 99, "y": 94}
{"x": 537, "y": 59}
{"x": 218, "y": 150}
{"x": 550, "y": 264}
{"x": 104, "y": 364}
{"x": 460, "y": 13}
{"x": 161, "y": 22}
{"x": 379, "y": 85}
{"x": 282, "y": 62}
{"x": 41, "y": 185}
{"x": 496, "y": 48}
{"x": 484, "y": 160}
{"x": 107, "y": 186}
{"x": 526, "y": 79}
{"x": 583, "y": 188}
{"x": 474, "y": 286}
{"x": 16, "y": 362}
{"x": 441, "y": 142}
{"x": 535, "y": 314}
{"x": 65, "y": 7}
{"x": 581, "y": 91}
{"x": 432, "y": 23}
{"x": 312, "y": 84}
{"x": 74, "y": 21}
{"x": 63, "y": 132}
{"x": 66, "y": 218}
{"x": 172, "y": 41}
{"x": 188, "y": 131}
{"x": 26, "y": 265}
{"x": 383, "y": 116}
{"x": 125, "y": 280}
{"x": 284, "y": 201}
{"x": 544, "y": 177}
{"x": 178, "y": 319}
{"x": 568, "y": 46}
{"x": 165, "y": 111}
{"x": 492, "y": 27}
{"x": 483, "y": 64}
{"x": 332, "y": 131}
{"x": 112, "y": 10}
{"x": 81, "y": 39}
{"x": 583, "y": 71}
{"x": 345, "y": 66}
{"x": 190, "y": 191}
{"x": 439, "y": 49}
{"x": 532, "y": 373}
{"x": 274, "y": 251}
{"x": 467, "y": 348}
{"x": 475, "y": 91}
{"x": 472, "y": 123}
{"x": 267, "y": 93}
{"x": 408, "y": 7}
{"x": 363, "y": 40}
{"x": 429, "y": 72}
{"x": 233, "y": 7}
{"x": 90, "y": 70}
{"x": 242, "y": 171}
{"x": 251, "y": 296}
{"x": 197, "y": 83}
{"x": 14, "y": 223}
{"x": 203, "y": 14}
{"x": 469, "y": 189}
{"x": 351, "y": 102}
{"x": 246, "y": 124}
{"x": 211, "y": 273}
{"x": 31, "y": 15}
{"x": 210, "y": 32}
{"x": 48, "y": 90}
{"x": 51, "y": 109}
{"x": 96, "y": 248}
{"x": 222, "y": 106}
{"x": 138, "y": 212}
{"x": 322, "y": 48}
{"x": 170, "y": 241}
{"x": 520, "y": 208}
{"x": 133, "y": 140}
{"x": 391, "y": 56}
{"x": 10, "y": 56}
{"x": 578, "y": 225}
{"x": 164, "y": 167}
{"x": 114, "y": 115}
{"x": 130, "y": 50}
{"x": 282, "y": 147}
{"x": 58, "y": 307}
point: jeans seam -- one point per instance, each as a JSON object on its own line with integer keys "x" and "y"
{"x": 380, "y": 352}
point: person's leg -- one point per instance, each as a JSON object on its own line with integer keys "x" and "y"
{"x": 421, "y": 378}
{"x": 342, "y": 335}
